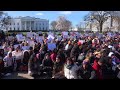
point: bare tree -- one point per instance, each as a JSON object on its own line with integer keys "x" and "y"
{"x": 97, "y": 16}
{"x": 79, "y": 27}
{"x": 53, "y": 25}
{"x": 4, "y": 20}
{"x": 63, "y": 23}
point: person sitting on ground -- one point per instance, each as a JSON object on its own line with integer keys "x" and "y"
{"x": 70, "y": 69}
{"x": 1, "y": 63}
{"x": 18, "y": 54}
{"x": 57, "y": 65}
{"x": 8, "y": 63}
{"x": 99, "y": 67}
{"x": 33, "y": 66}
{"x": 47, "y": 64}
{"x": 86, "y": 71}
{"x": 24, "y": 65}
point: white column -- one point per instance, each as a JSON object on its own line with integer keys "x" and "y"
{"x": 25, "y": 25}
{"x": 34, "y": 26}
{"x": 30, "y": 25}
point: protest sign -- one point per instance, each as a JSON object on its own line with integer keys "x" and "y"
{"x": 15, "y": 46}
{"x": 31, "y": 34}
{"x": 65, "y": 33}
{"x": 51, "y": 46}
{"x": 20, "y": 37}
{"x": 59, "y": 38}
{"x": 50, "y": 37}
{"x": 109, "y": 34}
{"x": 25, "y": 47}
{"x": 32, "y": 43}
{"x": 39, "y": 39}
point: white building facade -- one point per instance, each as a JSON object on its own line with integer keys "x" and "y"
{"x": 28, "y": 23}
{"x": 106, "y": 26}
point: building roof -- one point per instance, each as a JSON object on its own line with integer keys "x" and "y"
{"x": 29, "y": 17}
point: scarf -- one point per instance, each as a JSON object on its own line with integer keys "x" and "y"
{"x": 69, "y": 66}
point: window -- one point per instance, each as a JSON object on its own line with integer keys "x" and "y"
{"x": 18, "y": 28}
{"x": 43, "y": 28}
{"x": 14, "y": 23}
{"x": 18, "y": 23}
{"x": 43, "y": 24}
{"x": 10, "y": 28}
{"x": 14, "y": 28}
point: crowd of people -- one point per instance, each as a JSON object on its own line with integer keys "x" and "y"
{"x": 95, "y": 56}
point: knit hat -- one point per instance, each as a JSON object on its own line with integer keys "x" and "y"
{"x": 110, "y": 54}
{"x": 85, "y": 62}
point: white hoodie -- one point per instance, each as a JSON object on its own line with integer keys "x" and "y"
{"x": 8, "y": 61}
{"x": 72, "y": 73}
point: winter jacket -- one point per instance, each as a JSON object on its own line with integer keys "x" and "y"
{"x": 33, "y": 64}
{"x": 75, "y": 51}
{"x": 58, "y": 66}
{"x": 71, "y": 73}
{"x": 53, "y": 57}
{"x": 47, "y": 63}
{"x": 89, "y": 73}
{"x": 98, "y": 70}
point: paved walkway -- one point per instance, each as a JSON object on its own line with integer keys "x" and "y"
{"x": 18, "y": 75}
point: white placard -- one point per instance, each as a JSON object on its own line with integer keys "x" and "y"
{"x": 32, "y": 43}
{"x": 59, "y": 38}
{"x": 109, "y": 34}
{"x": 50, "y": 37}
{"x": 39, "y": 39}
{"x": 30, "y": 34}
{"x": 51, "y": 46}
{"x": 15, "y": 46}
{"x": 20, "y": 37}
{"x": 25, "y": 47}
{"x": 65, "y": 33}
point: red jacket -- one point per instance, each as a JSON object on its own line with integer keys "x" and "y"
{"x": 53, "y": 57}
{"x": 98, "y": 70}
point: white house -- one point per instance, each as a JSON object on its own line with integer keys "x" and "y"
{"x": 28, "y": 23}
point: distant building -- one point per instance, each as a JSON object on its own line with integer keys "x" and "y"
{"x": 28, "y": 23}
{"x": 106, "y": 26}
